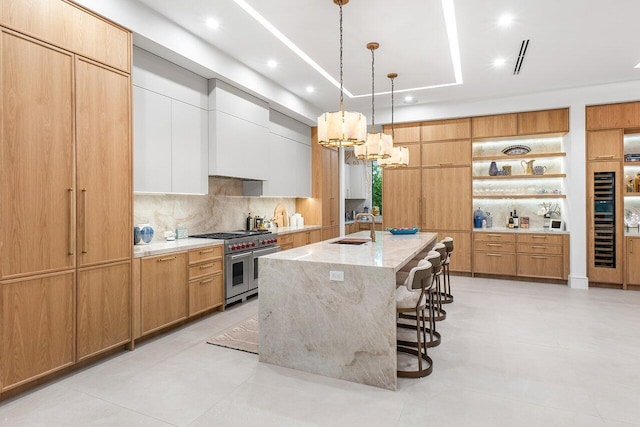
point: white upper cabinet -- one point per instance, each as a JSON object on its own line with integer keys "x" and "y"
{"x": 152, "y": 141}
{"x": 357, "y": 180}
{"x": 238, "y": 133}
{"x": 170, "y": 127}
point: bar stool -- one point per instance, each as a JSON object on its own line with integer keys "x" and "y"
{"x": 412, "y": 298}
{"x": 434, "y": 337}
{"x": 438, "y": 269}
{"x": 446, "y": 296}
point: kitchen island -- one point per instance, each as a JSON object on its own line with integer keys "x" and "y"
{"x": 330, "y": 308}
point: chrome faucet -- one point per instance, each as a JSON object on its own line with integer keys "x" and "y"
{"x": 373, "y": 223}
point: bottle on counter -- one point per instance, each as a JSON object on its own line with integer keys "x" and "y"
{"x": 249, "y": 222}
{"x": 516, "y": 219}
{"x": 630, "y": 186}
{"x": 510, "y": 223}
{"x": 489, "y": 219}
{"x": 478, "y": 216}
{"x": 636, "y": 183}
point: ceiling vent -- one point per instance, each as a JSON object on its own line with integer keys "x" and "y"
{"x": 521, "y": 55}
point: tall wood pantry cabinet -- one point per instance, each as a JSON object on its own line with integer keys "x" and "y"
{"x": 65, "y": 188}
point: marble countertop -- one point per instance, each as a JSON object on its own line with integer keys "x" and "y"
{"x": 289, "y": 230}
{"x": 388, "y": 251}
{"x": 518, "y": 230}
{"x": 179, "y": 245}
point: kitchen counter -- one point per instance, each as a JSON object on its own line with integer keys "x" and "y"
{"x": 342, "y": 327}
{"x": 177, "y": 245}
{"x": 289, "y": 230}
{"x": 518, "y": 230}
{"x": 378, "y": 220}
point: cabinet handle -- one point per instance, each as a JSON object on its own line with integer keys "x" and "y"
{"x": 498, "y": 245}
{"x": 497, "y": 255}
{"x": 538, "y": 237}
{"x": 84, "y": 220}
{"x": 420, "y": 210}
{"x": 71, "y": 245}
{"x": 331, "y": 210}
{"x": 207, "y": 251}
{"x": 605, "y": 157}
{"x": 538, "y": 247}
{"x": 630, "y": 246}
{"x": 169, "y": 258}
{"x": 204, "y": 267}
{"x": 493, "y": 235}
{"x": 206, "y": 281}
{"x": 539, "y": 257}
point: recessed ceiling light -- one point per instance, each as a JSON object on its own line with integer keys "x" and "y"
{"x": 637, "y": 66}
{"x": 499, "y": 62}
{"x": 505, "y": 20}
{"x": 213, "y": 23}
{"x": 310, "y": 89}
{"x": 408, "y": 98}
{"x": 272, "y": 63}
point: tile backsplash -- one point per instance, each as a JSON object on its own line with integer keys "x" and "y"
{"x": 223, "y": 209}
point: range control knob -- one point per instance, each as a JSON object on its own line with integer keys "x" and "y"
{"x": 253, "y": 244}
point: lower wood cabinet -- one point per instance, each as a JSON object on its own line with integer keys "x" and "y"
{"x": 461, "y": 257}
{"x": 103, "y": 308}
{"x": 330, "y": 232}
{"x": 163, "y": 290}
{"x": 38, "y": 325}
{"x": 633, "y": 261}
{"x": 206, "y": 293}
{"x": 531, "y": 255}
{"x": 285, "y": 241}
{"x": 303, "y": 238}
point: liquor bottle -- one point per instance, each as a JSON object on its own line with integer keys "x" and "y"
{"x": 516, "y": 219}
{"x": 249, "y": 222}
{"x": 510, "y": 224}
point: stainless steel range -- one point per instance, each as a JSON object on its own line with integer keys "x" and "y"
{"x": 241, "y": 252}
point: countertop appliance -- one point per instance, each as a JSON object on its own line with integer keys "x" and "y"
{"x": 241, "y": 252}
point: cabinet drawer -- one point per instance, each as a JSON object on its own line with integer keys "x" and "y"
{"x": 286, "y": 247}
{"x": 540, "y": 238}
{"x": 537, "y": 248}
{"x": 549, "y": 266}
{"x": 285, "y": 239}
{"x": 205, "y": 293}
{"x": 494, "y": 246}
{"x": 205, "y": 254}
{"x": 205, "y": 269}
{"x": 494, "y": 237}
{"x": 494, "y": 263}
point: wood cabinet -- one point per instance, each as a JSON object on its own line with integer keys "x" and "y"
{"x": 438, "y": 186}
{"x": 330, "y": 187}
{"x": 103, "y": 163}
{"x": 443, "y": 130}
{"x": 604, "y": 144}
{"x": 103, "y": 308}
{"x": 206, "y": 279}
{"x": 529, "y": 255}
{"x": 401, "y": 193}
{"x": 604, "y": 222}
{"x": 303, "y": 238}
{"x": 461, "y": 258}
{"x": 446, "y": 153}
{"x": 543, "y": 122}
{"x": 404, "y": 132}
{"x": 613, "y": 116}
{"x": 633, "y": 261}
{"x": 285, "y": 241}
{"x": 38, "y": 327}
{"x": 497, "y": 126}
{"x": 330, "y": 232}
{"x": 37, "y": 188}
{"x": 163, "y": 290}
{"x": 70, "y": 27}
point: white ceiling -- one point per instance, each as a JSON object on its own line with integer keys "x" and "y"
{"x": 573, "y": 43}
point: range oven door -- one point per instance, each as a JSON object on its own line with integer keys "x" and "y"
{"x": 239, "y": 273}
{"x": 257, "y": 254}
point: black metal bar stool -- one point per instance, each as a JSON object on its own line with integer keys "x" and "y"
{"x": 412, "y": 298}
{"x": 446, "y": 296}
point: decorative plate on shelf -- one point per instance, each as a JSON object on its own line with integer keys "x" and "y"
{"x": 406, "y": 230}
{"x": 516, "y": 150}
{"x": 631, "y": 217}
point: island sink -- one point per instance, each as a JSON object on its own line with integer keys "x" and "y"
{"x": 351, "y": 241}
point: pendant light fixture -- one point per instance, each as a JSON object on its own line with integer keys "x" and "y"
{"x": 399, "y": 155}
{"x": 378, "y": 145}
{"x": 341, "y": 128}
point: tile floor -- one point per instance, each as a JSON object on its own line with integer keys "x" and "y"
{"x": 512, "y": 354}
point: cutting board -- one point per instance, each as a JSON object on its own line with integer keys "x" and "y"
{"x": 281, "y": 216}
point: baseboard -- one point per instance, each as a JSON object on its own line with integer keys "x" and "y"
{"x": 578, "y": 282}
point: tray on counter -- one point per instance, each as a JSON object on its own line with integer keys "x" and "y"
{"x": 412, "y": 230}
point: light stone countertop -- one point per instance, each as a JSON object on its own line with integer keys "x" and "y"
{"x": 631, "y": 233}
{"x": 289, "y": 230}
{"x": 518, "y": 230}
{"x": 390, "y": 251}
{"x": 177, "y": 245}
